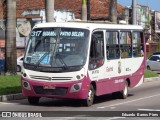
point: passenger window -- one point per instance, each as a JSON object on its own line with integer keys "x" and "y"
{"x": 138, "y": 48}
{"x": 96, "y": 50}
{"x": 112, "y": 46}
{"x": 125, "y": 44}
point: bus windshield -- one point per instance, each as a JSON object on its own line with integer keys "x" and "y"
{"x": 63, "y": 48}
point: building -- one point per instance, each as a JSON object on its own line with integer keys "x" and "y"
{"x": 150, "y": 21}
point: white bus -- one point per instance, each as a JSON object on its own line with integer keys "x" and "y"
{"x": 82, "y": 60}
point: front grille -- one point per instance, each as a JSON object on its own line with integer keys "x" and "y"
{"x": 60, "y": 91}
{"x": 49, "y": 78}
{"x": 39, "y": 77}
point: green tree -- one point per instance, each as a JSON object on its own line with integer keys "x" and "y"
{"x": 10, "y": 48}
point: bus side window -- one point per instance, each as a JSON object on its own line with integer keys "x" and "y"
{"x": 112, "y": 47}
{"x": 126, "y": 44}
{"x": 96, "y": 50}
{"x": 138, "y": 48}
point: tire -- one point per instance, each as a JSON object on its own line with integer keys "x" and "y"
{"x": 18, "y": 68}
{"x": 148, "y": 68}
{"x": 33, "y": 100}
{"x": 115, "y": 95}
{"x": 124, "y": 93}
{"x": 91, "y": 94}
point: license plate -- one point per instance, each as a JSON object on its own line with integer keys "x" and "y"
{"x": 49, "y": 87}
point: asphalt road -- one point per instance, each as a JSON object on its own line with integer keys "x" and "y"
{"x": 143, "y": 101}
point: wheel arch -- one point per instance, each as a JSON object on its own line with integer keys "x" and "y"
{"x": 93, "y": 83}
{"x": 128, "y": 81}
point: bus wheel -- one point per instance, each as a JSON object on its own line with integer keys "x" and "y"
{"x": 33, "y": 100}
{"x": 90, "y": 98}
{"x": 124, "y": 93}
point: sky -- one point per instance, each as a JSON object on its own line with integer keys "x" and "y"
{"x": 153, "y": 4}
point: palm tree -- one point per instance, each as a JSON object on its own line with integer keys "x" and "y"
{"x": 113, "y": 11}
{"x": 10, "y": 46}
{"x": 84, "y": 10}
{"x": 49, "y": 9}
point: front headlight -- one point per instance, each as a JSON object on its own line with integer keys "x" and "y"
{"x": 76, "y": 87}
{"x": 26, "y": 85}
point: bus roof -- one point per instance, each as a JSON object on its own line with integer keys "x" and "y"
{"x": 90, "y": 26}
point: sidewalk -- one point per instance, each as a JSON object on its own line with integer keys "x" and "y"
{"x": 19, "y": 96}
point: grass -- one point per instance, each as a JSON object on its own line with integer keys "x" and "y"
{"x": 149, "y": 74}
{"x": 10, "y": 84}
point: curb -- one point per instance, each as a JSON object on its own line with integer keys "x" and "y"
{"x": 151, "y": 79}
{"x": 20, "y": 96}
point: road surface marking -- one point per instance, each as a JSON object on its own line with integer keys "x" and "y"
{"x": 5, "y": 103}
{"x": 129, "y": 101}
{"x": 148, "y": 109}
{"x": 114, "y": 118}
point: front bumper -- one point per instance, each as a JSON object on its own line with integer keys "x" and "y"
{"x": 55, "y": 89}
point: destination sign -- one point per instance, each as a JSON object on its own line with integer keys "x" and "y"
{"x": 62, "y": 33}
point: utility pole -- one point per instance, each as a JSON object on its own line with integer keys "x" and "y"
{"x": 88, "y": 9}
{"x": 126, "y": 15}
{"x": 10, "y": 46}
{"x": 113, "y": 11}
{"x": 134, "y": 14}
{"x": 49, "y": 10}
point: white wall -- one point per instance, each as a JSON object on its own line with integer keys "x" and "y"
{"x": 59, "y": 15}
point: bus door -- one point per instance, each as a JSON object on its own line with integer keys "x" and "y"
{"x": 96, "y": 58}
{"x": 113, "y": 64}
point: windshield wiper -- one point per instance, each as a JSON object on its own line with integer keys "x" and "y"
{"x": 62, "y": 61}
{"x": 43, "y": 56}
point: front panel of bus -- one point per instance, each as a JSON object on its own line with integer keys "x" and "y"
{"x": 54, "y": 63}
